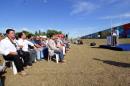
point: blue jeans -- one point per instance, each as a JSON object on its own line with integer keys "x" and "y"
{"x": 0, "y": 82}
{"x": 45, "y": 52}
{"x": 40, "y": 54}
{"x": 60, "y": 53}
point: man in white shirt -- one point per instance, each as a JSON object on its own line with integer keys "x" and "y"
{"x": 22, "y": 41}
{"x": 8, "y": 49}
{"x": 114, "y": 37}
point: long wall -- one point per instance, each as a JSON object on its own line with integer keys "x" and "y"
{"x": 124, "y": 32}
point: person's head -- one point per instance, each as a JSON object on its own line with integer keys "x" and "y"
{"x": 22, "y": 35}
{"x": 10, "y": 33}
{"x": 30, "y": 36}
{"x": 37, "y": 37}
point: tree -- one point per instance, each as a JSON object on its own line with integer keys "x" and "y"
{"x": 50, "y": 33}
{"x": 43, "y": 33}
{"x": 36, "y": 33}
{"x": 39, "y": 32}
{"x": 26, "y": 33}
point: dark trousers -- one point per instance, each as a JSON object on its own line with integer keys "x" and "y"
{"x": 45, "y": 52}
{"x": 33, "y": 55}
{"x": 26, "y": 58}
{"x": 17, "y": 61}
{"x": 114, "y": 41}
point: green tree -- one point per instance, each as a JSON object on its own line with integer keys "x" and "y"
{"x": 50, "y": 33}
{"x": 39, "y": 32}
{"x": 36, "y": 33}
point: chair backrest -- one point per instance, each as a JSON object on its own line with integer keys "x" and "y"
{"x": 51, "y": 52}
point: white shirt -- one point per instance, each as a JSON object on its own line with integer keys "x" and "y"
{"x": 6, "y": 47}
{"x": 25, "y": 44}
{"x": 52, "y": 45}
{"x": 59, "y": 42}
{"x": 114, "y": 33}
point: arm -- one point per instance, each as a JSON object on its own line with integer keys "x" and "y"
{"x": 4, "y": 50}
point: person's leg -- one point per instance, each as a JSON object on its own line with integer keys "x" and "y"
{"x": 45, "y": 52}
{"x": 41, "y": 53}
{"x": 61, "y": 56}
{"x": 26, "y": 58}
{"x": 34, "y": 55}
{"x": 117, "y": 40}
{"x": 31, "y": 56}
{"x": 114, "y": 40}
{"x": 17, "y": 61}
{"x": 38, "y": 55}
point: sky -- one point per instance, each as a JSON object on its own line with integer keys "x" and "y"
{"x": 74, "y": 17}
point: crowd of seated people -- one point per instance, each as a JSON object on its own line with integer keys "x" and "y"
{"x": 25, "y": 50}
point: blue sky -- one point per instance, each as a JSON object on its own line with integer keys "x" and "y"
{"x": 76, "y": 17}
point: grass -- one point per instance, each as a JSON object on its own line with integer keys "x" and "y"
{"x": 85, "y": 66}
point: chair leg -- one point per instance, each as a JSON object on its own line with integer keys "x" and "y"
{"x": 64, "y": 50}
{"x": 14, "y": 68}
{"x": 57, "y": 58}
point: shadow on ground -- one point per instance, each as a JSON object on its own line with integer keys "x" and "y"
{"x": 119, "y": 64}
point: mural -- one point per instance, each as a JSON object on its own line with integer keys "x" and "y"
{"x": 124, "y": 32}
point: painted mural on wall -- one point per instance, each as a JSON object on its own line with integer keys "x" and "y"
{"x": 124, "y": 30}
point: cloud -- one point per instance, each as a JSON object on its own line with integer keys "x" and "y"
{"x": 125, "y": 15}
{"x": 82, "y": 7}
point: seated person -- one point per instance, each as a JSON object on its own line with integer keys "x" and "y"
{"x": 23, "y": 42}
{"x": 8, "y": 48}
{"x": 52, "y": 46}
{"x": 32, "y": 50}
{"x": 38, "y": 44}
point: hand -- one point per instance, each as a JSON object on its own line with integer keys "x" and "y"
{"x": 13, "y": 53}
{"x": 21, "y": 46}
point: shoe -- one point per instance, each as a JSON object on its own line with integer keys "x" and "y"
{"x": 27, "y": 67}
{"x": 23, "y": 73}
{"x": 62, "y": 61}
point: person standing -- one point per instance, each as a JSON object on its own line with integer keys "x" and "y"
{"x": 114, "y": 37}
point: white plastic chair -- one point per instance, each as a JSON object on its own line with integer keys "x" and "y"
{"x": 63, "y": 50}
{"x": 13, "y": 66}
{"x": 51, "y": 53}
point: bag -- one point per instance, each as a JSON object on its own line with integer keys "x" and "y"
{"x": 30, "y": 47}
{"x": 93, "y": 44}
{"x": 20, "y": 52}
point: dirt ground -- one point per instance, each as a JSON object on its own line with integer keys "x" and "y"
{"x": 85, "y": 66}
